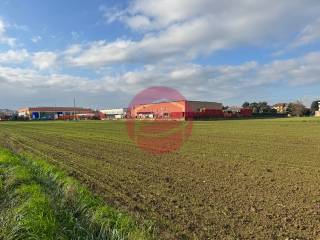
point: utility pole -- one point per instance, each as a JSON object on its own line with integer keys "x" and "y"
{"x": 74, "y": 108}
{"x": 55, "y": 112}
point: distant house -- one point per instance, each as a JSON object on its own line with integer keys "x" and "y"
{"x": 280, "y": 107}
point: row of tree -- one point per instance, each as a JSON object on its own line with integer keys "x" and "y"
{"x": 294, "y": 108}
{"x": 259, "y": 107}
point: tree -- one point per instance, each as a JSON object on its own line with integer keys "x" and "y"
{"x": 314, "y": 107}
{"x": 261, "y": 108}
{"x": 246, "y": 105}
{"x": 297, "y": 109}
{"x": 264, "y": 107}
{"x": 254, "y": 107}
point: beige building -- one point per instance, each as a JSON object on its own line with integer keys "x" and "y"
{"x": 280, "y": 107}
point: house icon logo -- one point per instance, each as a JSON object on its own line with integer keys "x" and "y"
{"x": 157, "y": 120}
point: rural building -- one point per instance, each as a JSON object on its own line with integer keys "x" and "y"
{"x": 280, "y": 107}
{"x": 117, "y": 113}
{"x": 182, "y": 109}
{"x": 51, "y": 113}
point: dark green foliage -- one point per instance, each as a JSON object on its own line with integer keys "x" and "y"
{"x": 260, "y": 108}
{"x": 246, "y": 105}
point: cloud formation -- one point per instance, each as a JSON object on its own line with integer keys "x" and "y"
{"x": 44, "y": 60}
{"x": 194, "y": 80}
{"x": 309, "y": 34}
{"x": 169, "y": 37}
{"x": 4, "y": 39}
{"x": 183, "y": 30}
{"x": 14, "y": 56}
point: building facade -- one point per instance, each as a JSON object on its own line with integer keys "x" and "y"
{"x": 280, "y": 107}
{"x": 52, "y": 113}
{"x": 317, "y": 113}
{"x": 117, "y": 113}
{"x": 176, "y": 110}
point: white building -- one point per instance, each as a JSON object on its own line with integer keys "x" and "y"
{"x": 117, "y": 113}
{"x": 317, "y": 113}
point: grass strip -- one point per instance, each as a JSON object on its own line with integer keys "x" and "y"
{"x": 40, "y": 202}
{"x": 25, "y": 208}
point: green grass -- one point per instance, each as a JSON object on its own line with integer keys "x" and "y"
{"x": 39, "y": 202}
{"x": 236, "y": 179}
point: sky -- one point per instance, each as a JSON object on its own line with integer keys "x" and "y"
{"x": 105, "y": 52}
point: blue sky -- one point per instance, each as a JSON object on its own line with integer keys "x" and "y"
{"x": 105, "y": 52}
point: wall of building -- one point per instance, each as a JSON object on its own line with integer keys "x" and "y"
{"x": 117, "y": 113}
{"x": 173, "y": 110}
{"x": 51, "y": 113}
{"x": 198, "y": 106}
{"x": 158, "y": 109}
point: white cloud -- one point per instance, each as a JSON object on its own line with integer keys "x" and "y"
{"x": 309, "y": 34}
{"x": 2, "y": 27}
{"x": 99, "y": 53}
{"x": 36, "y": 39}
{"x": 162, "y": 14}
{"x": 4, "y": 39}
{"x": 139, "y": 22}
{"x": 297, "y": 71}
{"x": 31, "y": 79}
{"x": 14, "y": 56}
{"x": 44, "y": 60}
{"x": 222, "y": 81}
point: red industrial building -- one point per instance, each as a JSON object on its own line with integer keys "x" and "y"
{"x": 179, "y": 110}
{"x": 184, "y": 110}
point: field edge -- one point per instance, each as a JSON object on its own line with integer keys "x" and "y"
{"x": 65, "y": 207}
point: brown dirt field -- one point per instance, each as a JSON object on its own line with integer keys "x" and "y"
{"x": 248, "y": 179}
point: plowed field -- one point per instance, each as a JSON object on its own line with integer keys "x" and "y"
{"x": 242, "y": 179}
